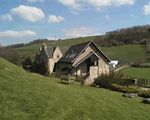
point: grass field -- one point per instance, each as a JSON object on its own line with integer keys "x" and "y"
{"x": 136, "y": 72}
{"x": 31, "y": 96}
{"x": 125, "y": 53}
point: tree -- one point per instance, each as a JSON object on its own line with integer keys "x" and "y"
{"x": 43, "y": 67}
{"x": 36, "y": 66}
{"x": 27, "y": 63}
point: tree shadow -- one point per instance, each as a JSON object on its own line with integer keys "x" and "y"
{"x": 65, "y": 83}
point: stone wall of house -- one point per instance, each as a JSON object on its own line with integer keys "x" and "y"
{"x": 57, "y": 54}
{"x": 82, "y": 69}
{"x": 102, "y": 63}
{"x": 51, "y": 65}
{"x": 85, "y": 53}
{"x": 93, "y": 72}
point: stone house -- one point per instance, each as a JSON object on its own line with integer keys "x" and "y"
{"x": 84, "y": 59}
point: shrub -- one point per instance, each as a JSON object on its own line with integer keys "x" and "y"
{"x": 12, "y": 56}
{"x": 133, "y": 89}
{"x": 137, "y": 63}
{"x": 58, "y": 73}
{"x": 106, "y": 80}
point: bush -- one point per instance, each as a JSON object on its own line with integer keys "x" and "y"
{"x": 137, "y": 63}
{"x": 106, "y": 80}
{"x": 133, "y": 89}
{"x": 12, "y": 56}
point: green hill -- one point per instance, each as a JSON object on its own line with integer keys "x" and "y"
{"x": 32, "y": 50}
{"x": 122, "y": 53}
{"x": 135, "y": 72}
{"x": 25, "y": 96}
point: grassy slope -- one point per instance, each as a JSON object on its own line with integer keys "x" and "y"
{"x": 125, "y": 53}
{"x": 136, "y": 72}
{"x": 31, "y": 96}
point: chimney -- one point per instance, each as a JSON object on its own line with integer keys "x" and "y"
{"x": 44, "y": 46}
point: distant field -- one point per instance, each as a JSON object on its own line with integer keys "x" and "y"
{"x": 136, "y": 72}
{"x": 30, "y": 96}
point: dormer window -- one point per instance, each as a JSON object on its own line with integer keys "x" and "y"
{"x": 57, "y": 56}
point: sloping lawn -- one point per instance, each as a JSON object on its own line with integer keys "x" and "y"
{"x": 125, "y": 53}
{"x": 25, "y": 96}
{"x": 136, "y": 72}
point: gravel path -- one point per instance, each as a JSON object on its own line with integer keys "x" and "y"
{"x": 120, "y": 68}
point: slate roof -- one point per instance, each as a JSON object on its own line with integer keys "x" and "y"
{"x": 63, "y": 49}
{"x": 74, "y": 51}
{"x": 50, "y": 50}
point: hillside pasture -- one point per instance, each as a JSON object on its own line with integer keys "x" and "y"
{"x": 27, "y": 96}
{"x": 135, "y": 72}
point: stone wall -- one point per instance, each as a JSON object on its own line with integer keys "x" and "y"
{"x": 82, "y": 69}
{"x": 51, "y": 65}
{"x": 103, "y": 64}
{"x": 57, "y": 54}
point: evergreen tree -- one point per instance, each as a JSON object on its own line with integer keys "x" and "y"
{"x": 43, "y": 67}
{"x": 27, "y": 63}
{"x": 36, "y": 66}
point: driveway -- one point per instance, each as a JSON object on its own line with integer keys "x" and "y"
{"x": 121, "y": 68}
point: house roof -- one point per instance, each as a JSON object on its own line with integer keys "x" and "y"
{"x": 50, "y": 50}
{"x": 63, "y": 49}
{"x": 86, "y": 57}
{"x": 74, "y": 51}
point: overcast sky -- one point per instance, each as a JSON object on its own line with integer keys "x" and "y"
{"x": 22, "y": 21}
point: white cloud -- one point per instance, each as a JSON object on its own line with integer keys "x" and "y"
{"x": 74, "y": 12}
{"x": 107, "y": 17}
{"x": 147, "y": 9}
{"x": 28, "y": 13}
{"x": 53, "y": 19}
{"x": 123, "y": 2}
{"x": 98, "y": 4}
{"x": 6, "y": 17}
{"x": 71, "y": 3}
{"x": 35, "y": 0}
{"x": 79, "y": 32}
{"x": 10, "y": 34}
